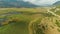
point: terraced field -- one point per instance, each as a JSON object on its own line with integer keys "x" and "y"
{"x": 29, "y": 21}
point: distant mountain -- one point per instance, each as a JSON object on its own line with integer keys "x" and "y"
{"x": 57, "y": 3}
{"x": 15, "y": 3}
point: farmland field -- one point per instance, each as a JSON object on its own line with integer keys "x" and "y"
{"x": 29, "y": 21}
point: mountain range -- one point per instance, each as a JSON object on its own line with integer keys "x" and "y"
{"x": 57, "y": 3}
{"x": 14, "y": 3}
{"x": 19, "y": 3}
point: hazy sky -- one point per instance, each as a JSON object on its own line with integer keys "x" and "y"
{"x": 41, "y": 2}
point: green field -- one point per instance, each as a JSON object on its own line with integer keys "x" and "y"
{"x": 27, "y": 21}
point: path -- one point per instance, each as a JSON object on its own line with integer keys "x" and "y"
{"x": 29, "y": 26}
{"x": 53, "y": 13}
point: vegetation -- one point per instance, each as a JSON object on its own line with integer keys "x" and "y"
{"x": 58, "y": 30}
{"x": 17, "y": 20}
{"x": 57, "y": 23}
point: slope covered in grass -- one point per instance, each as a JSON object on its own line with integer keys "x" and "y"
{"x": 29, "y": 21}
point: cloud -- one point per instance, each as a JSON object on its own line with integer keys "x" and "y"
{"x": 41, "y": 2}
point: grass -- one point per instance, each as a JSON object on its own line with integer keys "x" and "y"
{"x": 58, "y": 12}
{"x": 14, "y": 28}
{"x": 57, "y": 23}
{"x": 19, "y": 27}
{"x": 58, "y": 30}
{"x": 18, "y": 23}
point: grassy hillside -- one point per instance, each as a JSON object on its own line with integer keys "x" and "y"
{"x": 28, "y": 21}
